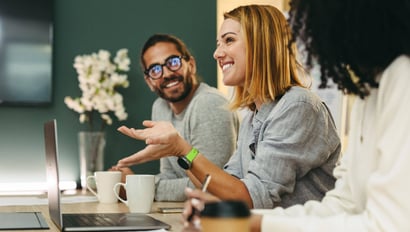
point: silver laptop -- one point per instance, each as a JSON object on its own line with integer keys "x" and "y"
{"x": 86, "y": 222}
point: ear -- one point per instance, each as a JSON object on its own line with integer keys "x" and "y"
{"x": 192, "y": 65}
{"x": 149, "y": 83}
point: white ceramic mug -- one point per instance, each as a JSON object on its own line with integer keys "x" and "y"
{"x": 104, "y": 183}
{"x": 140, "y": 190}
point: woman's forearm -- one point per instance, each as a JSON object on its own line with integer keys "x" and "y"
{"x": 222, "y": 185}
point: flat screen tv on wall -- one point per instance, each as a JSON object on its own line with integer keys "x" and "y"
{"x": 26, "y": 52}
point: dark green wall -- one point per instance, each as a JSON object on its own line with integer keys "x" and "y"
{"x": 83, "y": 27}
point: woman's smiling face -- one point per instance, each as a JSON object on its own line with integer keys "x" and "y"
{"x": 230, "y": 53}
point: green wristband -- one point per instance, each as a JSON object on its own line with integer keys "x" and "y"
{"x": 192, "y": 154}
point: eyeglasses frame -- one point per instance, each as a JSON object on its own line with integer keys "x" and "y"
{"x": 146, "y": 71}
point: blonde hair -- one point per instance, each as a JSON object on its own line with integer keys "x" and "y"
{"x": 271, "y": 66}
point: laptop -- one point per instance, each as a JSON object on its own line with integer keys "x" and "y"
{"x": 86, "y": 222}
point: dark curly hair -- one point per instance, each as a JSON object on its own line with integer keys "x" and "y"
{"x": 345, "y": 36}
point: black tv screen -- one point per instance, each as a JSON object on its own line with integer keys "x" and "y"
{"x": 26, "y": 52}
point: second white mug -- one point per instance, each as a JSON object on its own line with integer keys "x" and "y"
{"x": 140, "y": 190}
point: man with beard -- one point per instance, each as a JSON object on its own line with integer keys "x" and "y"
{"x": 199, "y": 112}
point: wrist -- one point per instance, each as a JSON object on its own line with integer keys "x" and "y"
{"x": 186, "y": 148}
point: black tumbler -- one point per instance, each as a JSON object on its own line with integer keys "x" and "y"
{"x": 225, "y": 216}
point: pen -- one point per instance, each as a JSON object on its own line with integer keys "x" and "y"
{"x": 206, "y": 182}
{"x": 203, "y": 189}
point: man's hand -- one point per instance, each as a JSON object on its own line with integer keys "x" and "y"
{"x": 162, "y": 140}
{"x": 124, "y": 172}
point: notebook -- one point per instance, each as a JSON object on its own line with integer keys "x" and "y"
{"x": 22, "y": 221}
{"x": 86, "y": 222}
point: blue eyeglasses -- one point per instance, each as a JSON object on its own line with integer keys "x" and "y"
{"x": 155, "y": 71}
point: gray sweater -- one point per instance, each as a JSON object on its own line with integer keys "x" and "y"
{"x": 208, "y": 125}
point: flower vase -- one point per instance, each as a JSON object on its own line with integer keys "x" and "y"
{"x": 91, "y": 148}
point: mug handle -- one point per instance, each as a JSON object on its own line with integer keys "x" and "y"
{"x": 89, "y": 187}
{"x": 116, "y": 191}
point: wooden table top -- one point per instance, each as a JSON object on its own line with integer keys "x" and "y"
{"x": 174, "y": 219}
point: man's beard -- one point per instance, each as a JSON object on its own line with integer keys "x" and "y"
{"x": 187, "y": 88}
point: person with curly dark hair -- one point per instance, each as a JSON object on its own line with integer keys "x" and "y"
{"x": 364, "y": 47}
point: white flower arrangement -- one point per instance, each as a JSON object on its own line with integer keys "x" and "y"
{"x": 98, "y": 80}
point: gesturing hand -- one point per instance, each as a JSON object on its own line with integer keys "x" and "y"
{"x": 162, "y": 140}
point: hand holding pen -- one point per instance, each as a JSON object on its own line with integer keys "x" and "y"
{"x": 203, "y": 189}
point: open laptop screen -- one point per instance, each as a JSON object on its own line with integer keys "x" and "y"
{"x": 51, "y": 148}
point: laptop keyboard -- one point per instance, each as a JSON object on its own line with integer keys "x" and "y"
{"x": 88, "y": 220}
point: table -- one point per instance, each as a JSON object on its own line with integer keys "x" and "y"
{"x": 174, "y": 219}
